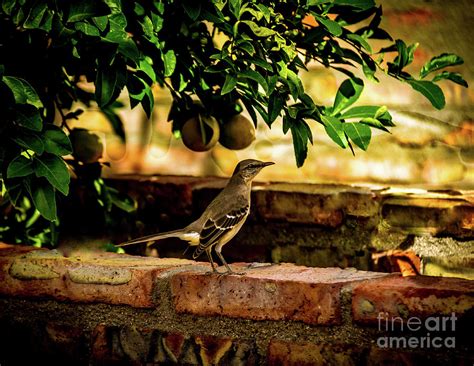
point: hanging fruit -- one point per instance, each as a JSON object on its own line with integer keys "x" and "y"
{"x": 237, "y": 133}
{"x": 87, "y": 147}
{"x": 200, "y": 133}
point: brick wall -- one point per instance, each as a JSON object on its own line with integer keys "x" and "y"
{"x": 119, "y": 309}
{"x": 307, "y": 224}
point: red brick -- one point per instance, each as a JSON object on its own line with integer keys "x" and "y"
{"x": 279, "y": 292}
{"x": 324, "y": 205}
{"x": 9, "y": 249}
{"x": 311, "y": 354}
{"x": 100, "y": 349}
{"x": 119, "y": 279}
{"x": 173, "y": 344}
{"x": 298, "y": 207}
{"x": 420, "y": 296}
{"x": 226, "y": 351}
{"x": 213, "y": 349}
{"x": 429, "y": 215}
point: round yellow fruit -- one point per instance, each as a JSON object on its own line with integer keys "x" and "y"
{"x": 86, "y": 146}
{"x": 192, "y": 133}
{"x": 237, "y": 133}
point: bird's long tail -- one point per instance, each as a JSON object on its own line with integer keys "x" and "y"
{"x": 182, "y": 234}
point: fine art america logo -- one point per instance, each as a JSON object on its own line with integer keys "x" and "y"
{"x": 432, "y": 332}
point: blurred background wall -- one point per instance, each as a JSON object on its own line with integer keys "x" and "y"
{"x": 428, "y": 148}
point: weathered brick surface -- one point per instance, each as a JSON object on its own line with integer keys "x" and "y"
{"x": 429, "y": 215}
{"x": 113, "y": 344}
{"x": 26, "y": 343}
{"x": 117, "y": 279}
{"x": 305, "y": 353}
{"x": 295, "y": 298}
{"x": 305, "y": 219}
{"x": 310, "y": 204}
{"x": 420, "y": 296}
{"x": 282, "y": 292}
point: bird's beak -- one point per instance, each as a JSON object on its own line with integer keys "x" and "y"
{"x": 267, "y": 163}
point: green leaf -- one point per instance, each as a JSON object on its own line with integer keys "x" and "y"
{"x": 44, "y": 198}
{"x": 264, "y": 64}
{"x": 28, "y": 117}
{"x": 455, "y": 77}
{"x": 361, "y": 41}
{"x": 129, "y": 49}
{"x": 147, "y": 26}
{"x": 332, "y": 26}
{"x": 14, "y": 189}
{"x": 257, "y": 30}
{"x": 365, "y": 111}
{"x": 430, "y": 90}
{"x": 347, "y": 94}
{"x": 22, "y": 91}
{"x": 105, "y": 84}
{"x": 411, "y": 52}
{"x": 255, "y": 76}
{"x": 380, "y": 112}
{"x": 122, "y": 201}
{"x": 359, "y": 133}
{"x": 56, "y": 142}
{"x": 369, "y": 68}
{"x": 118, "y": 22}
{"x": 234, "y": 6}
{"x": 335, "y": 130}
{"x": 300, "y": 146}
{"x": 247, "y": 47}
{"x": 110, "y": 80}
{"x": 20, "y": 167}
{"x": 147, "y": 69}
{"x": 439, "y": 62}
{"x": 20, "y": 15}
{"x": 8, "y": 6}
{"x": 148, "y": 102}
{"x": 87, "y": 29}
{"x": 35, "y": 16}
{"x": 374, "y": 123}
{"x": 265, "y": 11}
{"x": 402, "y": 58}
{"x": 101, "y": 22}
{"x": 294, "y": 83}
{"x": 54, "y": 170}
{"x": 275, "y": 105}
{"x": 192, "y": 8}
{"x": 229, "y": 84}
{"x": 30, "y": 141}
{"x": 169, "y": 60}
{"x": 79, "y": 10}
{"x": 116, "y": 122}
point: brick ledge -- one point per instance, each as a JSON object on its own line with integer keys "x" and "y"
{"x": 265, "y": 292}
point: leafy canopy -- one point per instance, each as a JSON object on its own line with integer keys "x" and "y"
{"x": 47, "y": 47}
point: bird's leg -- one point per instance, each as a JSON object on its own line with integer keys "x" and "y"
{"x": 221, "y": 257}
{"x": 209, "y": 256}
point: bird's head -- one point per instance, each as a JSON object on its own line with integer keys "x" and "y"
{"x": 249, "y": 168}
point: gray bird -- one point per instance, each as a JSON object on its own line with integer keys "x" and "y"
{"x": 221, "y": 220}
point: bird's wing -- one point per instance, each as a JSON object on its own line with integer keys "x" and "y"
{"x": 217, "y": 226}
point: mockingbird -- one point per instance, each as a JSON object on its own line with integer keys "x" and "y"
{"x": 221, "y": 220}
